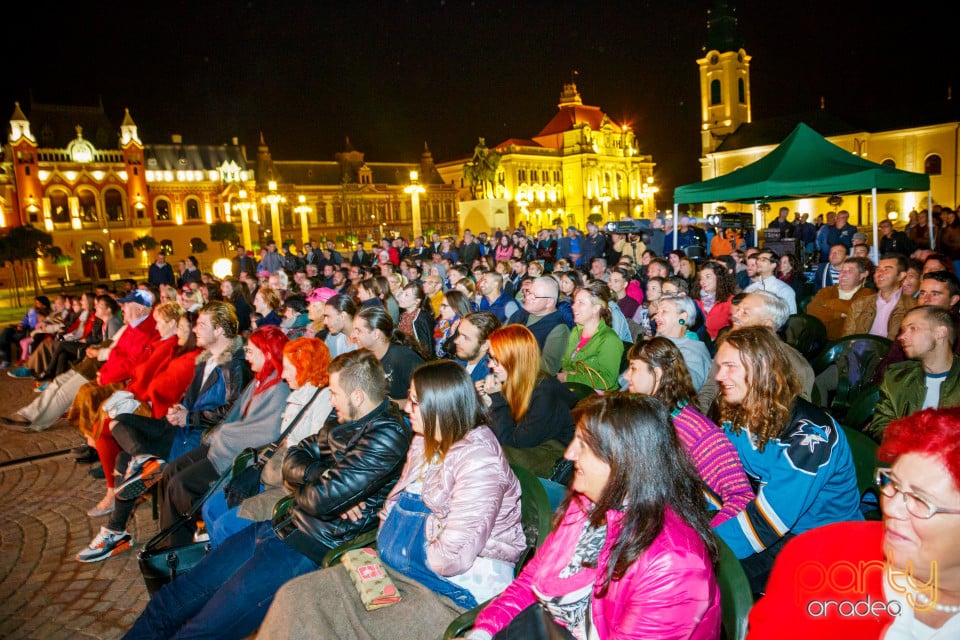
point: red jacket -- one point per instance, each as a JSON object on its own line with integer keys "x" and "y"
{"x": 167, "y": 387}
{"x": 127, "y": 353}
{"x": 155, "y": 359}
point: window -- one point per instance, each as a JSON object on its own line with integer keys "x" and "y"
{"x": 889, "y": 163}
{"x": 88, "y": 206}
{"x": 128, "y": 250}
{"x": 162, "y": 210}
{"x": 167, "y": 247}
{"x": 932, "y": 166}
{"x": 193, "y": 209}
{"x": 59, "y": 208}
{"x": 716, "y": 95}
{"x": 741, "y": 91}
{"x": 113, "y": 205}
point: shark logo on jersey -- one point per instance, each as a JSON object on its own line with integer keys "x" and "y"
{"x": 812, "y": 434}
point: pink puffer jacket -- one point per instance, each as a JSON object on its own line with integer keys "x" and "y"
{"x": 475, "y": 500}
{"x": 670, "y": 591}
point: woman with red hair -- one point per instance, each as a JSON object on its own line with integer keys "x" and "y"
{"x": 305, "y": 363}
{"x": 529, "y": 409}
{"x": 253, "y": 421}
{"x": 904, "y": 571}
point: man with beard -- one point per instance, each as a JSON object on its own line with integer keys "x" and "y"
{"x": 473, "y": 344}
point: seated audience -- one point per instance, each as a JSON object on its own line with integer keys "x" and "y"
{"x": 450, "y": 530}
{"x": 657, "y": 369}
{"x": 632, "y": 554}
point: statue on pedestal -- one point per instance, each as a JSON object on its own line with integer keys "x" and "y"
{"x": 481, "y": 171}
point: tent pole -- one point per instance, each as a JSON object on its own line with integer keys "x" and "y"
{"x": 930, "y": 219}
{"x": 875, "y": 250}
{"x": 756, "y": 223}
{"x": 676, "y": 226}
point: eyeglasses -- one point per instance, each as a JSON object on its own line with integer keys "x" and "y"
{"x": 533, "y": 295}
{"x": 917, "y": 506}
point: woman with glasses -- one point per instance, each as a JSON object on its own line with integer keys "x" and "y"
{"x": 449, "y": 534}
{"x": 794, "y": 452}
{"x": 906, "y": 569}
{"x": 529, "y": 409}
{"x": 455, "y": 305}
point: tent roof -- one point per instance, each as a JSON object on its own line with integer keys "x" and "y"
{"x": 804, "y": 165}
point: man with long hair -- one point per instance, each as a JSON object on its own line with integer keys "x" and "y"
{"x": 793, "y": 451}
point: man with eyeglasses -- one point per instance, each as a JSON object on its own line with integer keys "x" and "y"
{"x": 767, "y": 279}
{"x": 929, "y": 378}
{"x": 540, "y": 314}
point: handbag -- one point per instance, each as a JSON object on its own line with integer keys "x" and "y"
{"x": 534, "y": 623}
{"x": 371, "y": 579}
{"x": 249, "y": 463}
{"x": 596, "y": 380}
{"x": 160, "y": 566}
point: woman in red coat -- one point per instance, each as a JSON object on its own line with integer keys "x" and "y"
{"x": 158, "y": 383}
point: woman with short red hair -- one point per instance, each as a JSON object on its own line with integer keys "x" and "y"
{"x": 305, "y": 363}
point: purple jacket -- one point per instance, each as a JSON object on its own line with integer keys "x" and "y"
{"x": 670, "y": 591}
{"x": 475, "y": 500}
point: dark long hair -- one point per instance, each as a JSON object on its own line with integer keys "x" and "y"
{"x": 649, "y": 471}
{"x": 449, "y": 405}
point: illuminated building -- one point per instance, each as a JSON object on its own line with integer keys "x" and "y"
{"x": 64, "y": 172}
{"x": 923, "y": 140}
{"x": 581, "y": 163}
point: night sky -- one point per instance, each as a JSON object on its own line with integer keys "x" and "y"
{"x": 392, "y": 75}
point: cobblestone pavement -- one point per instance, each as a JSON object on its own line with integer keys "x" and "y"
{"x": 44, "y": 592}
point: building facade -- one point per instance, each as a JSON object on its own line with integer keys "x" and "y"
{"x": 581, "y": 163}
{"x": 925, "y": 140}
{"x": 66, "y": 171}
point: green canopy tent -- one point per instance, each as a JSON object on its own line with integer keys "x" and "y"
{"x": 804, "y": 165}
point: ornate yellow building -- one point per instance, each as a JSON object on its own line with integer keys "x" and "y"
{"x": 65, "y": 171}
{"x": 580, "y": 163}
{"x": 926, "y": 139}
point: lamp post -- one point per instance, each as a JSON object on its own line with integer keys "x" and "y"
{"x": 303, "y": 209}
{"x": 244, "y": 207}
{"x": 415, "y": 189}
{"x": 649, "y": 195}
{"x": 274, "y": 199}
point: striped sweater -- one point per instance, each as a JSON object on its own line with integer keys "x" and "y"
{"x": 716, "y": 461}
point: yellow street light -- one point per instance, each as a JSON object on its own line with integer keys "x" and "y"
{"x": 414, "y": 189}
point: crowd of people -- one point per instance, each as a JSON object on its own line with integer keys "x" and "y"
{"x": 647, "y": 386}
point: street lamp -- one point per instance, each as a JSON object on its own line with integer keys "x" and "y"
{"x": 244, "y": 206}
{"x": 415, "y": 189}
{"x": 303, "y": 209}
{"x": 274, "y": 199}
{"x": 649, "y": 195}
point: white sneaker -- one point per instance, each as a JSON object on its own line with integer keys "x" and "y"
{"x": 107, "y": 543}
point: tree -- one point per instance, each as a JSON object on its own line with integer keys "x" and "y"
{"x": 64, "y": 260}
{"x": 197, "y": 245}
{"x": 225, "y": 233}
{"x": 145, "y": 243}
{"x": 21, "y": 247}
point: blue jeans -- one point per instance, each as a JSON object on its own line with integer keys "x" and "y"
{"x": 228, "y": 593}
{"x": 220, "y": 520}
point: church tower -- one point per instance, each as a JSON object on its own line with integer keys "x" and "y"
{"x": 724, "y": 79}
{"x": 23, "y": 147}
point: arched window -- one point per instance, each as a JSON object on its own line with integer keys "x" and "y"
{"x": 162, "y": 210}
{"x": 128, "y": 250}
{"x": 889, "y": 163}
{"x": 933, "y": 165}
{"x": 716, "y": 95}
{"x": 741, "y": 91}
{"x": 113, "y": 205}
{"x": 167, "y": 247}
{"x": 59, "y": 208}
{"x": 193, "y": 209}
{"x": 88, "y": 206}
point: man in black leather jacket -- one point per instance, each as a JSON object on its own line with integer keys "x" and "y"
{"x": 339, "y": 477}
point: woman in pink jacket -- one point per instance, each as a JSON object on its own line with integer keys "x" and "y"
{"x": 632, "y": 554}
{"x": 450, "y": 530}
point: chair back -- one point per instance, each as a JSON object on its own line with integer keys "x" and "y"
{"x": 857, "y": 358}
{"x": 805, "y": 333}
{"x": 862, "y": 407}
{"x": 736, "y": 597}
{"x": 535, "y": 513}
{"x": 864, "y": 451}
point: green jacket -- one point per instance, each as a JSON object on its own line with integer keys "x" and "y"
{"x": 903, "y": 390}
{"x": 602, "y": 353}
